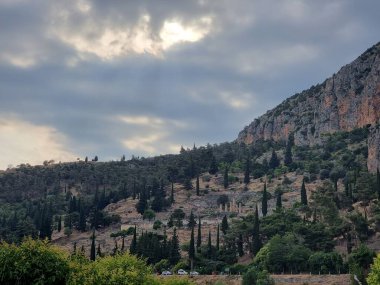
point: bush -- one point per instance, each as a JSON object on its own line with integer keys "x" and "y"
{"x": 33, "y": 262}
{"x": 255, "y": 277}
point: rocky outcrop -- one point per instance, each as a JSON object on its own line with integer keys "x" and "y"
{"x": 349, "y": 99}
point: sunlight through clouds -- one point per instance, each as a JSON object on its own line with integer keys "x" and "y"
{"x": 23, "y": 142}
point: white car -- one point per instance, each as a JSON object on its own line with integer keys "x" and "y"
{"x": 194, "y": 273}
{"x": 166, "y": 272}
{"x": 182, "y": 272}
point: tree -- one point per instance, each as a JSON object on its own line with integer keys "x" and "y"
{"x": 199, "y": 236}
{"x": 288, "y": 160}
{"x": 278, "y": 199}
{"x": 133, "y": 246}
{"x": 225, "y": 178}
{"x": 256, "y": 243}
{"x": 191, "y": 224}
{"x": 274, "y": 162}
{"x": 247, "y": 170}
{"x": 187, "y": 184}
{"x": 142, "y": 203}
{"x": 374, "y": 275}
{"x": 217, "y": 238}
{"x": 92, "y": 252}
{"x": 303, "y": 194}
{"x": 175, "y": 254}
{"x": 240, "y": 245}
{"x": 98, "y": 251}
{"x": 149, "y": 214}
{"x": 177, "y": 216}
{"x": 172, "y": 194}
{"x": 209, "y": 246}
{"x": 360, "y": 260}
{"x": 378, "y": 183}
{"x": 224, "y": 226}
{"x": 192, "y": 246}
{"x": 59, "y": 225}
{"x": 197, "y": 186}
{"x": 213, "y": 165}
{"x": 264, "y": 201}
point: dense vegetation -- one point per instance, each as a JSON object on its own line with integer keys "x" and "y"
{"x": 35, "y": 201}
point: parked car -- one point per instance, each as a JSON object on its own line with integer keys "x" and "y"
{"x": 166, "y": 272}
{"x": 194, "y": 273}
{"x": 182, "y": 272}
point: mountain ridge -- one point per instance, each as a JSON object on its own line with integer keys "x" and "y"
{"x": 347, "y": 100}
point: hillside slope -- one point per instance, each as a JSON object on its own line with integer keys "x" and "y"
{"x": 347, "y": 100}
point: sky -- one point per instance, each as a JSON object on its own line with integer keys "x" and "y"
{"x": 83, "y": 78}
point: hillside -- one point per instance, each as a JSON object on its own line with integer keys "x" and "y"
{"x": 297, "y": 192}
{"x": 349, "y": 99}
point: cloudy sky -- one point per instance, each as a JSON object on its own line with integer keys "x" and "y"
{"x": 83, "y": 78}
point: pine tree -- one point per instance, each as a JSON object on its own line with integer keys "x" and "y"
{"x": 133, "y": 246}
{"x": 247, "y": 170}
{"x": 256, "y": 243}
{"x": 175, "y": 255}
{"x": 209, "y": 246}
{"x": 274, "y": 162}
{"x": 217, "y": 238}
{"x": 92, "y": 253}
{"x": 240, "y": 245}
{"x": 199, "y": 237}
{"x": 224, "y": 226}
{"x": 192, "y": 246}
{"x": 264, "y": 202}
{"x": 191, "y": 224}
{"x": 303, "y": 193}
{"x": 197, "y": 186}
{"x": 225, "y": 178}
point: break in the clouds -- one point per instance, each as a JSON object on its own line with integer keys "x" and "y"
{"x": 85, "y": 78}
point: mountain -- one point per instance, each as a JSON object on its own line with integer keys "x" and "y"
{"x": 349, "y": 99}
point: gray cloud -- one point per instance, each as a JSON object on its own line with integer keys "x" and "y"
{"x": 199, "y": 70}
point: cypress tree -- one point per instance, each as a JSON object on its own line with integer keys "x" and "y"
{"x": 378, "y": 183}
{"x": 209, "y": 246}
{"x": 197, "y": 186}
{"x": 122, "y": 242}
{"x": 279, "y": 200}
{"x": 142, "y": 203}
{"x": 264, "y": 202}
{"x": 303, "y": 193}
{"x": 225, "y": 178}
{"x": 82, "y": 217}
{"x": 192, "y": 246}
{"x": 133, "y": 246}
{"x": 224, "y": 226}
{"x": 75, "y": 248}
{"x": 240, "y": 245}
{"x": 288, "y": 160}
{"x": 199, "y": 237}
{"x": 172, "y": 194}
{"x": 59, "y": 226}
{"x": 92, "y": 253}
{"x": 98, "y": 251}
{"x": 247, "y": 170}
{"x": 217, "y": 238}
{"x": 191, "y": 224}
{"x": 175, "y": 255}
{"x": 256, "y": 243}
{"x": 274, "y": 162}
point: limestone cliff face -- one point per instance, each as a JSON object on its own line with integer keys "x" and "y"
{"x": 347, "y": 100}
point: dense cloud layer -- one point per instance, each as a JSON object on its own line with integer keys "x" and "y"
{"x": 109, "y": 78}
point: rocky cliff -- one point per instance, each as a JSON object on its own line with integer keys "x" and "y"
{"x": 347, "y": 100}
